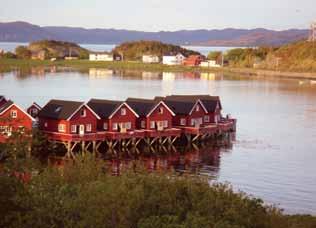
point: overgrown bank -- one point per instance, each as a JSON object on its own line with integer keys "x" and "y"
{"x": 83, "y": 193}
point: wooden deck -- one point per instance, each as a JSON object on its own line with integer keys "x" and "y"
{"x": 172, "y": 132}
{"x": 206, "y": 129}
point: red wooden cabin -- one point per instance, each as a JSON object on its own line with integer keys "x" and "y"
{"x": 193, "y": 60}
{"x": 34, "y": 109}
{"x": 153, "y": 114}
{"x": 13, "y": 119}
{"x": 67, "y": 118}
{"x": 115, "y": 116}
{"x": 211, "y": 103}
{"x": 189, "y": 113}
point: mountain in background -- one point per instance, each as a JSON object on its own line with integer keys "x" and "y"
{"x": 26, "y": 32}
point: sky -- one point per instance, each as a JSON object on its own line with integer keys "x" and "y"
{"x": 162, "y": 15}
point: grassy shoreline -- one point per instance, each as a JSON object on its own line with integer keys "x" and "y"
{"x": 7, "y": 65}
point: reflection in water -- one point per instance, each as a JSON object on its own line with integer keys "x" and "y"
{"x": 198, "y": 159}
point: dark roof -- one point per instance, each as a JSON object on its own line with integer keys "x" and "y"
{"x": 104, "y": 108}
{"x": 209, "y": 102}
{"x": 5, "y": 106}
{"x": 59, "y": 109}
{"x": 180, "y": 107}
{"x": 141, "y": 106}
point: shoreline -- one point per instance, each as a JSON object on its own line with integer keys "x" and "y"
{"x": 7, "y": 65}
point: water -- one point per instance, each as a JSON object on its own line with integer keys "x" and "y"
{"x": 108, "y": 47}
{"x": 274, "y": 154}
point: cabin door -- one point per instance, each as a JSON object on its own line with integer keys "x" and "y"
{"x": 81, "y": 129}
{"x": 160, "y": 125}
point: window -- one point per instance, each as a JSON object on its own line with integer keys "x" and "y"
{"x": 161, "y": 110}
{"x": 128, "y": 125}
{"x": 73, "y": 128}
{"x": 34, "y": 111}
{"x": 192, "y": 122}
{"x": 5, "y": 130}
{"x": 14, "y": 114}
{"x": 206, "y": 119}
{"x": 45, "y": 124}
{"x": 83, "y": 113}
{"x": 143, "y": 124}
{"x": 88, "y": 127}
{"x": 105, "y": 125}
{"x": 165, "y": 123}
{"x": 114, "y": 126}
{"x": 152, "y": 124}
{"x": 123, "y": 111}
{"x": 197, "y": 108}
{"x": 61, "y": 128}
{"x": 183, "y": 122}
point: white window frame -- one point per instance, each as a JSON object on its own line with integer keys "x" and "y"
{"x": 192, "y": 122}
{"x": 128, "y": 125}
{"x": 143, "y": 124}
{"x": 61, "y": 128}
{"x": 34, "y": 111}
{"x": 123, "y": 111}
{"x": 88, "y": 127}
{"x": 83, "y": 113}
{"x": 14, "y": 114}
{"x": 165, "y": 123}
{"x": 45, "y": 124}
{"x": 73, "y": 128}
{"x": 207, "y": 119}
{"x": 105, "y": 126}
{"x": 152, "y": 124}
{"x": 197, "y": 108}
{"x": 161, "y": 110}
{"x": 183, "y": 122}
{"x": 114, "y": 126}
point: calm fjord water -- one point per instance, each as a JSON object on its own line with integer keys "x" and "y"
{"x": 274, "y": 154}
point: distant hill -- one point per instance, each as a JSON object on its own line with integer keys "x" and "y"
{"x": 46, "y": 49}
{"x": 25, "y": 32}
{"x": 135, "y": 50}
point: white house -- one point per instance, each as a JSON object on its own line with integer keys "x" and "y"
{"x": 173, "y": 59}
{"x": 209, "y": 63}
{"x": 101, "y": 56}
{"x": 150, "y": 59}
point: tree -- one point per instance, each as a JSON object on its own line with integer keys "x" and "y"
{"x": 23, "y": 52}
{"x": 214, "y": 55}
{"x": 8, "y": 55}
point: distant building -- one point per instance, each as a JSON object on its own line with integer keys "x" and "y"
{"x": 210, "y": 63}
{"x": 1, "y": 51}
{"x": 150, "y": 59}
{"x": 101, "y": 56}
{"x": 71, "y": 57}
{"x": 173, "y": 59}
{"x": 193, "y": 60}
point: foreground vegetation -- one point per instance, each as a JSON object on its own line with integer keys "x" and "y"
{"x": 83, "y": 193}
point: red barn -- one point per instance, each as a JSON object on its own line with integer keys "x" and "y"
{"x": 188, "y": 112}
{"x": 193, "y": 60}
{"x": 34, "y": 109}
{"x": 211, "y": 103}
{"x": 13, "y": 119}
{"x": 153, "y": 114}
{"x": 68, "y": 118}
{"x": 115, "y": 116}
